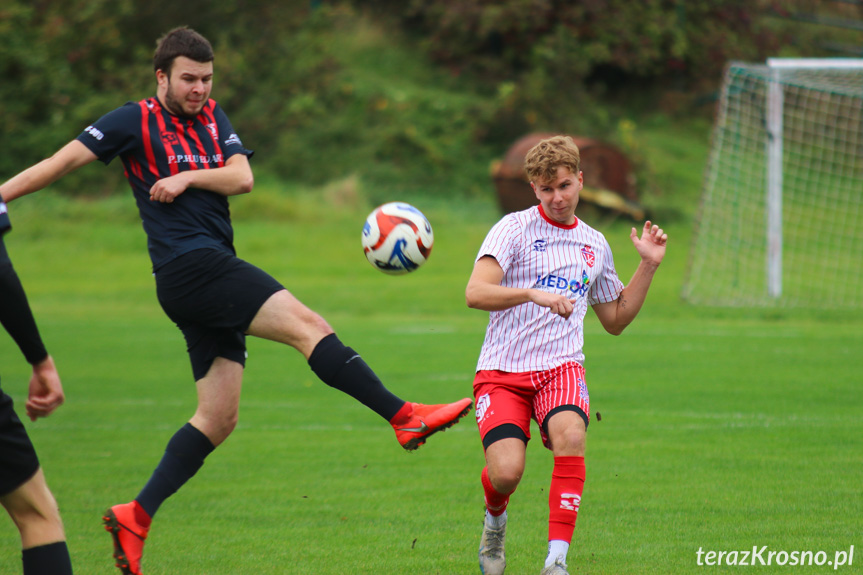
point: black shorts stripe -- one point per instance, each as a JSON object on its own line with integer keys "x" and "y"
{"x": 504, "y": 431}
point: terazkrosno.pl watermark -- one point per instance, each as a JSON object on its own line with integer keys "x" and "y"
{"x": 765, "y": 556}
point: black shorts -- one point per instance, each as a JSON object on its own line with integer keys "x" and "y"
{"x": 18, "y": 461}
{"x": 213, "y": 297}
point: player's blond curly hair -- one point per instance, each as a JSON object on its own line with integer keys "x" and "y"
{"x": 543, "y": 160}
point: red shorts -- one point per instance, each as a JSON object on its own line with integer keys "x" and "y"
{"x": 515, "y": 398}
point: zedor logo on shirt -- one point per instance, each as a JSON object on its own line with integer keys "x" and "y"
{"x": 561, "y": 283}
{"x": 539, "y": 245}
{"x": 169, "y": 138}
{"x": 233, "y": 139}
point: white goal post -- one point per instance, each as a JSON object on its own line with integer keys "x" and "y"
{"x": 780, "y": 219}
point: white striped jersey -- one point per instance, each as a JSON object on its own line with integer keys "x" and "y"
{"x": 536, "y": 252}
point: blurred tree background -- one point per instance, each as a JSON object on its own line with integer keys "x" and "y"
{"x": 410, "y": 95}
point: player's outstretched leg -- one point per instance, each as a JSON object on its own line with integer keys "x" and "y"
{"x": 341, "y": 367}
{"x": 128, "y": 535}
{"x": 415, "y": 422}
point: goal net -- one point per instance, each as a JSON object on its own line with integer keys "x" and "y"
{"x": 780, "y": 222}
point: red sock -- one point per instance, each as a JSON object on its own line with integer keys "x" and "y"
{"x": 402, "y": 414}
{"x": 564, "y": 497}
{"x": 141, "y": 516}
{"x": 495, "y": 502}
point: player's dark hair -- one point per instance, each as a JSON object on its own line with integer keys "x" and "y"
{"x": 542, "y": 161}
{"x": 181, "y": 41}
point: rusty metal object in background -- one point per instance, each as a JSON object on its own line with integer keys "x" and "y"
{"x": 608, "y": 181}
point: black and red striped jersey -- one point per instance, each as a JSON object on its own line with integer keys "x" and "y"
{"x": 154, "y": 144}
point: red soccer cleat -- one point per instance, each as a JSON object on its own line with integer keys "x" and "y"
{"x": 413, "y": 429}
{"x": 128, "y": 537}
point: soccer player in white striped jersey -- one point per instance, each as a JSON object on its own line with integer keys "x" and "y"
{"x": 536, "y": 273}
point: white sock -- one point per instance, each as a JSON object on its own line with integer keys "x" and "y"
{"x": 557, "y": 549}
{"x": 495, "y": 522}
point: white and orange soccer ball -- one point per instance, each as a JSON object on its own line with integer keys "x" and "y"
{"x": 397, "y": 238}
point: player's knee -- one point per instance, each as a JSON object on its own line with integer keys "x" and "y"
{"x": 231, "y": 422}
{"x": 217, "y": 426}
{"x": 506, "y": 478}
{"x": 567, "y": 432}
{"x": 315, "y": 324}
{"x": 226, "y": 426}
{"x": 303, "y": 328}
{"x": 570, "y": 442}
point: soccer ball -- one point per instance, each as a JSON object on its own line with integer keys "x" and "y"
{"x": 397, "y": 238}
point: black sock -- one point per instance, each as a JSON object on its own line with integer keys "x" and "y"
{"x": 183, "y": 457}
{"x": 342, "y": 368}
{"x": 51, "y": 559}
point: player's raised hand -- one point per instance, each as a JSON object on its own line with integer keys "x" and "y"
{"x": 651, "y": 244}
{"x": 46, "y": 391}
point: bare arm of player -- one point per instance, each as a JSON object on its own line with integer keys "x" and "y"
{"x": 616, "y": 315}
{"x": 234, "y": 178}
{"x": 67, "y": 159}
{"x": 485, "y": 292}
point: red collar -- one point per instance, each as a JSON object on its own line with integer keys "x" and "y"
{"x": 557, "y": 224}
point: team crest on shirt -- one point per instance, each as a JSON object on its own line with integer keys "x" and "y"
{"x": 589, "y": 256}
{"x": 539, "y": 245}
{"x": 169, "y": 138}
{"x": 212, "y": 129}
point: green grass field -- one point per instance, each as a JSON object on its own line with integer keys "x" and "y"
{"x": 721, "y": 430}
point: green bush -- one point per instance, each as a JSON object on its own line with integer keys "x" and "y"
{"x": 402, "y": 97}
{"x": 651, "y": 40}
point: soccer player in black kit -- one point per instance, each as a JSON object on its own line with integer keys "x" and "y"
{"x": 183, "y": 159}
{"x": 23, "y": 490}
